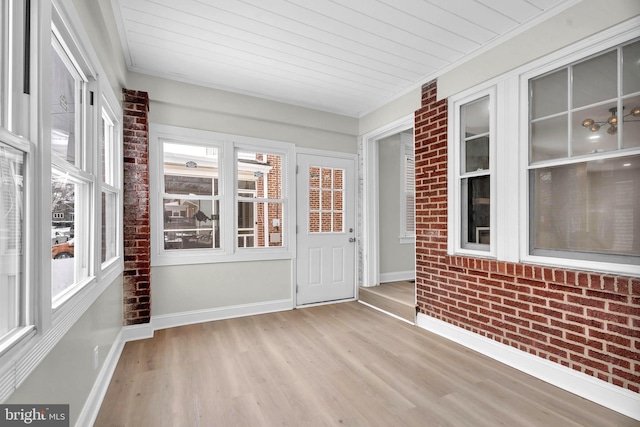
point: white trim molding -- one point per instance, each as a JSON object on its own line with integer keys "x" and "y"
{"x": 369, "y": 234}
{"x": 608, "y": 395}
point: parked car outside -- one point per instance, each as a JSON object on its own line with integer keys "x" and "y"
{"x": 62, "y": 250}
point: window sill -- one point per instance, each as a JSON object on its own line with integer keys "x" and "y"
{"x": 583, "y": 265}
{"x": 213, "y": 257}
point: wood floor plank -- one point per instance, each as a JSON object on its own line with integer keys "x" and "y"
{"x": 340, "y": 364}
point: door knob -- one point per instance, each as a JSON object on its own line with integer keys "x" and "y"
{"x": 352, "y": 239}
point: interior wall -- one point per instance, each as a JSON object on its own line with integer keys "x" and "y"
{"x": 67, "y": 374}
{"x": 196, "y": 107}
{"x": 394, "y": 110}
{"x": 184, "y": 288}
{"x": 100, "y": 26}
{"x": 180, "y": 289}
{"x": 394, "y": 256}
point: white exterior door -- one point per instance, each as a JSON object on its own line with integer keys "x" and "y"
{"x": 326, "y": 229}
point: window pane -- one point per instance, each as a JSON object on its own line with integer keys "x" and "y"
{"x": 595, "y": 80}
{"x": 190, "y": 169}
{"x": 265, "y": 172}
{"x": 549, "y": 94}
{"x": 588, "y": 207}
{"x": 107, "y": 149}
{"x": 11, "y": 235}
{"x": 592, "y": 133}
{"x": 549, "y": 139}
{"x": 191, "y": 223}
{"x": 64, "y": 99}
{"x": 476, "y": 202}
{"x": 193, "y": 185}
{"x": 109, "y": 226}
{"x": 259, "y": 224}
{"x": 631, "y": 122}
{"x": 475, "y": 117}
{"x": 69, "y": 261}
{"x": 630, "y": 69}
{"x": 477, "y": 154}
{"x": 326, "y": 203}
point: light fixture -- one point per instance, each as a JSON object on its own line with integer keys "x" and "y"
{"x": 612, "y": 121}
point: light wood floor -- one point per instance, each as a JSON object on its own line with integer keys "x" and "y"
{"x": 341, "y": 364}
{"x": 398, "y": 298}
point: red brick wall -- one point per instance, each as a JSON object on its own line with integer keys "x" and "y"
{"x": 137, "y": 232}
{"x": 589, "y": 322}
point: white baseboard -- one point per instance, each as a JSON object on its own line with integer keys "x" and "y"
{"x": 608, "y": 395}
{"x": 397, "y": 276}
{"x": 200, "y": 316}
{"x": 91, "y": 407}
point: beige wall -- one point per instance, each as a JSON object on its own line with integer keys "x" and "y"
{"x": 67, "y": 375}
{"x": 184, "y": 288}
{"x": 394, "y": 257}
{"x": 394, "y": 110}
{"x": 185, "y": 105}
{"x": 100, "y": 26}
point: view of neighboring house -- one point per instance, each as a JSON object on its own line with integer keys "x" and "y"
{"x": 504, "y": 182}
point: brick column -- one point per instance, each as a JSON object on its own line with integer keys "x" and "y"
{"x": 137, "y": 231}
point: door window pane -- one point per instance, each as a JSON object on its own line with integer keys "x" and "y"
{"x": 326, "y": 196}
{"x": 11, "y": 235}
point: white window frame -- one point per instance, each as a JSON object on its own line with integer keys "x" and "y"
{"x": 456, "y": 175}
{"x": 112, "y": 183}
{"x": 407, "y": 191}
{"x": 83, "y": 171}
{"x": 511, "y": 238}
{"x": 229, "y": 145}
{"x": 25, "y": 124}
{"x": 609, "y": 39}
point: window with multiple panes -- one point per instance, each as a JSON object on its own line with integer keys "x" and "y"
{"x": 584, "y": 158}
{"x": 72, "y": 171}
{"x": 260, "y": 201}
{"x": 474, "y": 173}
{"x": 17, "y": 318}
{"x": 218, "y": 197}
{"x": 110, "y": 156}
{"x": 191, "y": 196}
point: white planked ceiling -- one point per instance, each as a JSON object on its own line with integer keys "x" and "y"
{"x": 347, "y": 57}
